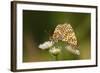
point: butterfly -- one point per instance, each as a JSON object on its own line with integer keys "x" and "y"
{"x": 65, "y": 32}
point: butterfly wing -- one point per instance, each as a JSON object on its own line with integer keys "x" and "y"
{"x": 65, "y": 33}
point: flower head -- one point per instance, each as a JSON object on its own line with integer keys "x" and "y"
{"x": 46, "y": 45}
{"x": 72, "y": 50}
{"x": 55, "y": 51}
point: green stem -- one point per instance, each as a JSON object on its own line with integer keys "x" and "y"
{"x": 56, "y": 57}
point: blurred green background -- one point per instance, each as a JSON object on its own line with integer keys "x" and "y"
{"x": 38, "y": 26}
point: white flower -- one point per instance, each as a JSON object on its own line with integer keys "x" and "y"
{"x": 72, "y": 50}
{"x": 77, "y": 52}
{"x": 55, "y": 51}
{"x": 46, "y": 45}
